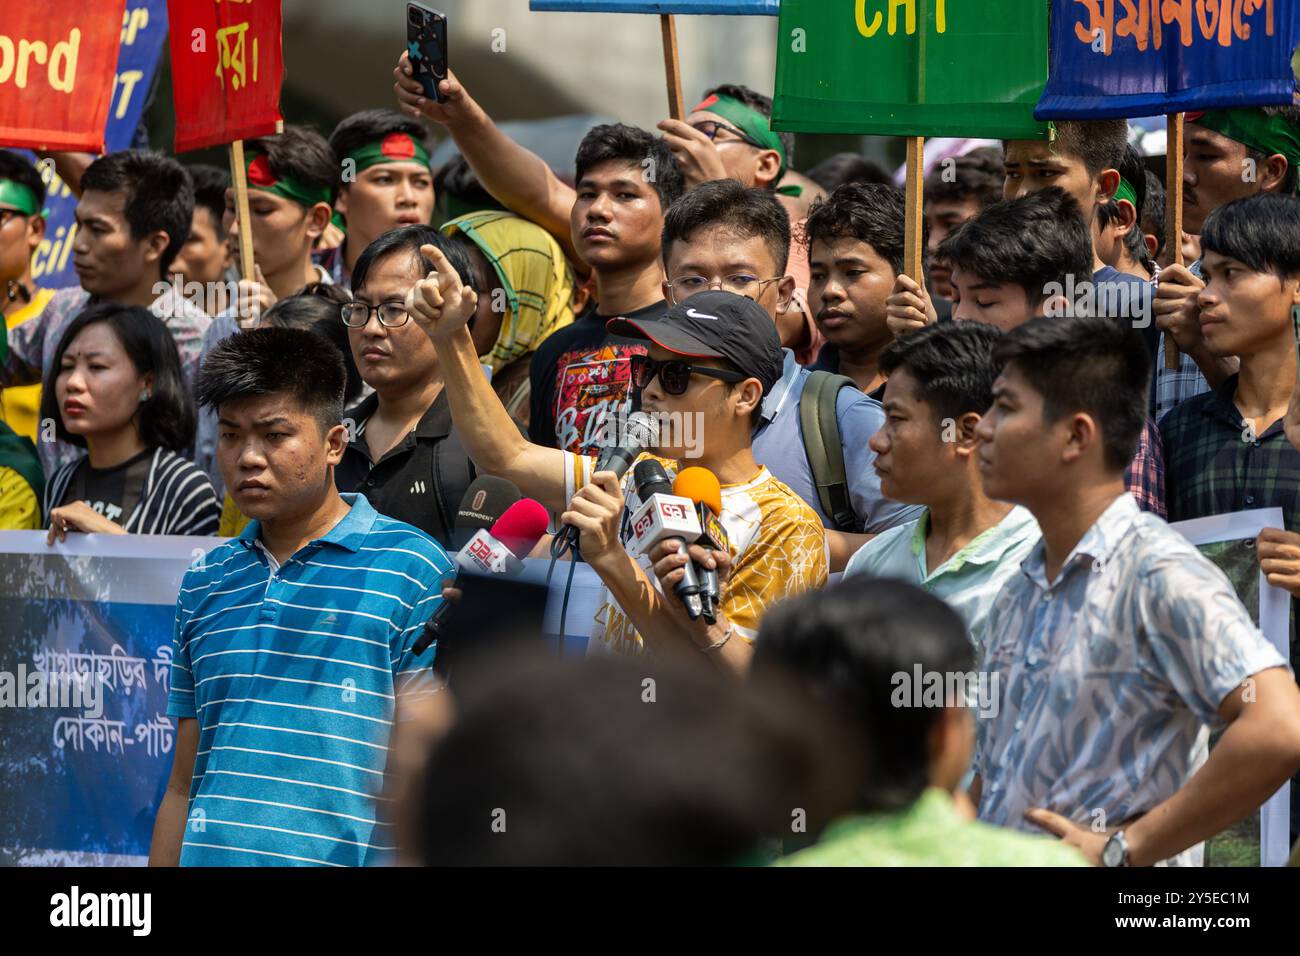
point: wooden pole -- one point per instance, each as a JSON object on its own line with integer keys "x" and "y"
{"x": 912, "y": 230}
{"x": 239, "y": 180}
{"x": 1173, "y": 210}
{"x": 672, "y": 66}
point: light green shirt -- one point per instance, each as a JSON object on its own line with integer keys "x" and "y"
{"x": 969, "y": 580}
{"x": 930, "y": 833}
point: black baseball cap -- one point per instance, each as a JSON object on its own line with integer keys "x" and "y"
{"x": 715, "y": 325}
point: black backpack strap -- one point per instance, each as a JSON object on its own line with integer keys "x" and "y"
{"x": 825, "y": 447}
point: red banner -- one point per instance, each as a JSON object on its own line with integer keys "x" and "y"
{"x": 226, "y": 70}
{"x": 58, "y": 63}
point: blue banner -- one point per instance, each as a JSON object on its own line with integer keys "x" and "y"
{"x": 144, "y": 33}
{"x": 767, "y": 8}
{"x": 1137, "y": 57}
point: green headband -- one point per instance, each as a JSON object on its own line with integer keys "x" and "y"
{"x": 1256, "y": 130}
{"x": 747, "y": 119}
{"x": 20, "y": 196}
{"x": 393, "y": 148}
{"x": 261, "y": 177}
{"x": 1126, "y": 191}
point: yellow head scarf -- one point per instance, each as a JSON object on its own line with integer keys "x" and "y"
{"x": 537, "y": 279}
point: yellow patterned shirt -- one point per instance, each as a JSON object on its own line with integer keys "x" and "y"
{"x": 20, "y": 406}
{"x": 777, "y": 545}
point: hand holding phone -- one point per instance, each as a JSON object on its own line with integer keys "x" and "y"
{"x": 426, "y": 47}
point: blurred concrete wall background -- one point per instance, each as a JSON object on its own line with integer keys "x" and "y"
{"x": 341, "y": 54}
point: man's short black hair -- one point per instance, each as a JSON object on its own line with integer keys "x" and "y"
{"x": 952, "y": 363}
{"x": 1098, "y": 143}
{"x": 747, "y": 210}
{"x": 210, "y": 185}
{"x": 159, "y": 195}
{"x": 1031, "y": 241}
{"x": 1134, "y": 171}
{"x": 303, "y": 154}
{"x": 845, "y": 645}
{"x": 167, "y": 418}
{"x": 369, "y": 126}
{"x": 757, "y": 101}
{"x": 15, "y": 167}
{"x": 871, "y": 213}
{"x": 1261, "y": 231}
{"x": 588, "y": 773}
{"x": 977, "y": 175}
{"x": 317, "y": 308}
{"x": 1093, "y": 365}
{"x": 834, "y": 171}
{"x": 1291, "y": 181}
{"x": 1153, "y": 210}
{"x": 618, "y": 142}
{"x": 407, "y": 240}
{"x": 274, "y": 361}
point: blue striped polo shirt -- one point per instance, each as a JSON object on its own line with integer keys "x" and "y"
{"x": 292, "y": 672}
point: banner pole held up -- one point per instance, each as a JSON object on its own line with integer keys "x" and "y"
{"x": 915, "y": 198}
{"x": 1173, "y": 210}
{"x": 239, "y": 179}
{"x": 672, "y": 66}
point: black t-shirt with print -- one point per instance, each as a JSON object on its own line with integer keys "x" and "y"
{"x": 111, "y": 492}
{"x": 577, "y": 375}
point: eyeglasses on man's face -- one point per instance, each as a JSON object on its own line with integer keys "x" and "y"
{"x": 751, "y": 287}
{"x": 711, "y": 128}
{"x": 356, "y": 315}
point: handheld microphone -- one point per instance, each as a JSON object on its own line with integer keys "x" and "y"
{"x": 640, "y": 432}
{"x": 484, "y": 501}
{"x": 664, "y": 516}
{"x": 702, "y": 488}
{"x": 498, "y": 550}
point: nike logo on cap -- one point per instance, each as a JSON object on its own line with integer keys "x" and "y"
{"x": 691, "y": 313}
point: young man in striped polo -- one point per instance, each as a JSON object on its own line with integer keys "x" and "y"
{"x": 293, "y": 640}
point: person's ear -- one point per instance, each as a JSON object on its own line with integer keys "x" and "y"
{"x": 664, "y": 287}
{"x": 749, "y": 395}
{"x": 336, "y": 443}
{"x": 784, "y": 293}
{"x": 156, "y": 245}
{"x": 950, "y": 744}
{"x": 964, "y": 440}
{"x": 1108, "y": 183}
{"x": 1152, "y": 244}
{"x": 1272, "y": 173}
{"x": 1127, "y": 218}
{"x": 35, "y": 231}
{"x": 1082, "y": 434}
{"x": 766, "y": 168}
{"x": 318, "y": 219}
{"x": 341, "y": 203}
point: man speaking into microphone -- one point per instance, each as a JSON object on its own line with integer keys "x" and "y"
{"x": 711, "y": 360}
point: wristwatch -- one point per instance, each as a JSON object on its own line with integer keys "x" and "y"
{"x": 1115, "y": 852}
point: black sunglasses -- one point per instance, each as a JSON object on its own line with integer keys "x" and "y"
{"x": 675, "y": 374}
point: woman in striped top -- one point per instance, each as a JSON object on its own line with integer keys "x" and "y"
{"x": 115, "y": 388}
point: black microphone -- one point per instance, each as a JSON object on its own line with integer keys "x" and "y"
{"x": 485, "y": 500}
{"x": 664, "y": 516}
{"x": 640, "y": 432}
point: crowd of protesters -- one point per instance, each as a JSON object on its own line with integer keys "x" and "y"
{"x": 964, "y": 472}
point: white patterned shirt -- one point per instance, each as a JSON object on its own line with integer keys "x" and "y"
{"x": 1110, "y": 678}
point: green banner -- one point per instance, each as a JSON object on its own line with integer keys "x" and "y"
{"x": 911, "y": 67}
